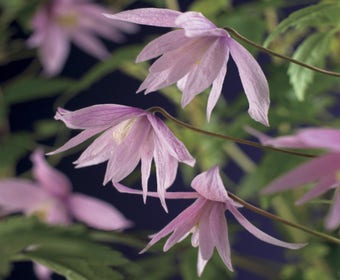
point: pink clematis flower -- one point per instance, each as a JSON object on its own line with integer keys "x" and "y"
{"x": 324, "y": 169}
{"x": 205, "y": 220}
{"x": 50, "y": 198}
{"x": 195, "y": 56}
{"x": 58, "y": 22}
{"x": 128, "y": 136}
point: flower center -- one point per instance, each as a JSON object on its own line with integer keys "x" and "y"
{"x": 122, "y": 130}
{"x": 68, "y": 20}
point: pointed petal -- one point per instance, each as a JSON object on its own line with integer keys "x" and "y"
{"x": 128, "y": 153}
{"x": 333, "y": 217}
{"x": 169, "y": 141}
{"x": 260, "y": 234}
{"x": 49, "y": 178}
{"x": 90, "y": 44}
{"x": 146, "y": 160}
{"x": 148, "y": 16}
{"x": 20, "y": 195}
{"x": 253, "y": 80}
{"x": 99, "y": 151}
{"x": 305, "y": 173}
{"x": 165, "y": 43}
{"x": 196, "y": 25}
{"x": 206, "y": 240}
{"x": 201, "y": 263}
{"x": 76, "y": 140}
{"x": 104, "y": 115}
{"x": 216, "y": 88}
{"x": 321, "y": 138}
{"x": 96, "y": 213}
{"x": 205, "y": 70}
{"x": 323, "y": 185}
{"x": 209, "y": 184}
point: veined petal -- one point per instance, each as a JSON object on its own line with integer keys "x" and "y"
{"x": 96, "y": 213}
{"x": 104, "y": 115}
{"x": 323, "y": 185}
{"x": 305, "y": 173}
{"x": 99, "y": 151}
{"x": 89, "y": 43}
{"x": 146, "y": 160}
{"x": 76, "y": 140}
{"x": 196, "y": 25}
{"x": 333, "y": 217}
{"x": 216, "y": 88}
{"x": 49, "y": 178}
{"x": 128, "y": 153}
{"x": 169, "y": 141}
{"x": 205, "y": 70}
{"x": 209, "y": 184}
{"x": 206, "y": 239}
{"x": 253, "y": 80}
{"x": 148, "y": 16}
{"x": 259, "y": 233}
{"x": 20, "y": 195}
{"x": 165, "y": 43}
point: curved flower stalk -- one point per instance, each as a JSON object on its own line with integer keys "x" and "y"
{"x": 58, "y": 22}
{"x": 129, "y": 135}
{"x": 205, "y": 220}
{"x": 50, "y": 198}
{"x": 324, "y": 170}
{"x": 195, "y": 57}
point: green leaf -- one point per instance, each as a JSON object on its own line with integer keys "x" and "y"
{"x": 324, "y": 14}
{"x": 312, "y": 51}
{"x": 210, "y": 11}
{"x": 68, "y": 251}
{"x": 28, "y": 89}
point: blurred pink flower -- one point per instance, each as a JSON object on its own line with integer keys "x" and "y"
{"x": 50, "y": 198}
{"x": 206, "y": 220}
{"x": 58, "y": 22}
{"x": 195, "y": 56}
{"x": 128, "y": 136}
{"x": 324, "y": 169}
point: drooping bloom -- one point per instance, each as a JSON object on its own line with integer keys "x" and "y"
{"x": 58, "y": 22}
{"x": 324, "y": 169}
{"x": 205, "y": 220}
{"x": 129, "y": 135}
{"x": 50, "y": 198}
{"x": 195, "y": 57}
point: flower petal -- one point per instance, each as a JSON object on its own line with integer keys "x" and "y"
{"x": 42, "y": 272}
{"x": 165, "y": 43}
{"x": 20, "y": 195}
{"x": 259, "y": 233}
{"x": 305, "y": 173}
{"x": 96, "y": 213}
{"x": 146, "y": 160}
{"x": 209, "y": 184}
{"x": 104, "y": 115}
{"x": 321, "y": 138}
{"x": 148, "y": 16}
{"x": 253, "y": 80}
{"x": 49, "y": 178}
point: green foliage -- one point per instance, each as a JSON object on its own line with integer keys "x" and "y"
{"x": 323, "y": 14}
{"x": 68, "y": 251}
{"x": 312, "y": 51}
{"x": 210, "y": 11}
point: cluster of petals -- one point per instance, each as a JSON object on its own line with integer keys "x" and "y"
{"x": 50, "y": 198}
{"x": 128, "y": 135}
{"x": 205, "y": 220}
{"x": 195, "y": 56}
{"x": 324, "y": 169}
{"x": 58, "y": 22}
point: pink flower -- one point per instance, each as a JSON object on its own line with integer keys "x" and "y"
{"x": 324, "y": 169}
{"x": 128, "y": 136}
{"x": 58, "y": 22}
{"x": 195, "y": 56}
{"x": 206, "y": 221}
{"x": 50, "y": 198}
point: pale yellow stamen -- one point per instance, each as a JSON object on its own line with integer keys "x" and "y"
{"x": 121, "y": 131}
{"x": 68, "y": 20}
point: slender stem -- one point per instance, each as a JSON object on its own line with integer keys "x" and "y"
{"x": 311, "y": 67}
{"x": 225, "y": 137}
{"x": 279, "y": 219}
